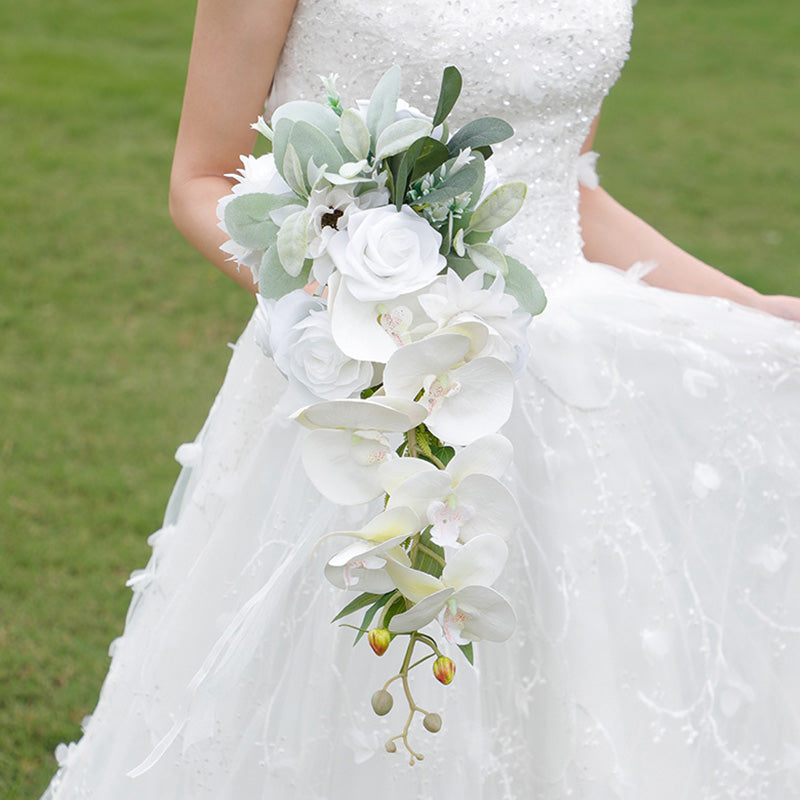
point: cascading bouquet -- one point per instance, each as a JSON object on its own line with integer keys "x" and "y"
{"x": 386, "y": 300}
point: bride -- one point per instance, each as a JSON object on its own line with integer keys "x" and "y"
{"x": 656, "y": 571}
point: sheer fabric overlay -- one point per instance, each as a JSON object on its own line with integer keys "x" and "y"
{"x": 657, "y": 467}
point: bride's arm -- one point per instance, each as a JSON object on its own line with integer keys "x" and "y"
{"x": 613, "y": 235}
{"x": 234, "y": 53}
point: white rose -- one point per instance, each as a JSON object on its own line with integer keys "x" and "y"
{"x": 275, "y": 319}
{"x": 309, "y": 356}
{"x": 383, "y": 253}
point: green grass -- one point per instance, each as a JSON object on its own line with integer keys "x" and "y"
{"x": 113, "y": 332}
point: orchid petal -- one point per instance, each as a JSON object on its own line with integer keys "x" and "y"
{"x": 408, "y": 367}
{"x": 399, "y": 470}
{"x": 329, "y": 463}
{"x": 478, "y": 563}
{"x": 359, "y": 567}
{"x": 395, "y": 416}
{"x": 397, "y": 522}
{"x": 489, "y": 455}
{"x": 420, "y": 490}
{"x": 481, "y": 406}
{"x": 412, "y": 583}
{"x": 476, "y": 332}
{"x": 420, "y": 614}
{"x": 489, "y": 615}
{"x": 496, "y": 510}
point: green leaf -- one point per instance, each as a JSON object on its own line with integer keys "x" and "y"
{"x": 448, "y": 94}
{"x": 354, "y": 133}
{"x": 293, "y": 172}
{"x": 400, "y": 135}
{"x": 444, "y": 453}
{"x": 431, "y": 157}
{"x": 451, "y": 186}
{"x": 310, "y": 142}
{"x": 521, "y": 283}
{"x": 370, "y": 614}
{"x": 425, "y": 562}
{"x": 466, "y": 649}
{"x": 292, "y": 241}
{"x": 478, "y": 133}
{"x": 274, "y": 281}
{"x": 499, "y": 207}
{"x": 404, "y": 169}
{"x": 398, "y": 606}
{"x": 248, "y": 222}
{"x": 488, "y": 258}
{"x": 280, "y": 139}
{"x": 362, "y": 601}
{"x": 383, "y": 103}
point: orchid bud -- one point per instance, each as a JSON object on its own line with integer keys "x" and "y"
{"x": 382, "y": 702}
{"x": 432, "y": 722}
{"x": 390, "y": 746}
{"x": 379, "y": 639}
{"x": 444, "y": 669}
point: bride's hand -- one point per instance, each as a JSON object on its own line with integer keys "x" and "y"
{"x": 780, "y": 305}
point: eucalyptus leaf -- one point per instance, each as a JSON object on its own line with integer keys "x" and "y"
{"x": 480, "y": 132}
{"x": 521, "y": 283}
{"x": 488, "y": 258}
{"x": 354, "y": 133}
{"x": 400, "y": 135}
{"x": 448, "y": 94}
{"x": 292, "y": 241}
{"x": 310, "y": 142}
{"x": 273, "y": 280}
{"x": 431, "y": 157}
{"x": 498, "y": 207}
{"x": 404, "y": 169}
{"x": 458, "y": 243}
{"x": 293, "y": 172}
{"x": 247, "y": 218}
{"x": 478, "y": 163}
{"x": 383, "y": 103}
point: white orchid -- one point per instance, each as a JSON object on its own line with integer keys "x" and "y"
{"x": 465, "y": 400}
{"x": 467, "y": 608}
{"x": 363, "y": 562}
{"x": 464, "y": 500}
{"x": 372, "y": 330}
{"x": 349, "y": 442}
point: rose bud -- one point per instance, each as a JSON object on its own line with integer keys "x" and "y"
{"x": 382, "y": 702}
{"x": 379, "y": 639}
{"x": 444, "y": 669}
{"x": 432, "y": 723}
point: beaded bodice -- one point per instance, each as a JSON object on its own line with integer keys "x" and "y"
{"x": 542, "y": 65}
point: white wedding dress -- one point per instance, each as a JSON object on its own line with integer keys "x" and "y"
{"x": 656, "y": 573}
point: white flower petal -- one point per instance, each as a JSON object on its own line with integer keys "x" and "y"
{"x": 481, "y": 406}
{"x": 496, "y": 510}
{"x": 420, "y": 614}
{"x": 399, "y": 470}
{"x": 489, "y": 455}
{"x": 489, "y": 615}
{"x": 330, "y": 465}
{"x": 390, "y": 524}
{"x": 478, "y": 563}
{"x": 414, "y": 584}
{"x": 420, "y": 490}
{"x": 386, "y": 414}
{"x": 408, "y": 367}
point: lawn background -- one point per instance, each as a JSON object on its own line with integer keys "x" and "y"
{"x": 113, "y": 332}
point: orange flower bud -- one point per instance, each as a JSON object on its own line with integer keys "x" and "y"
{"x": 379, "y": 639}
{"x": 444, "y": 669}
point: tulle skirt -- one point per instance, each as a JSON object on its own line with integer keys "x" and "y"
{"x": 656, "y": 577}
